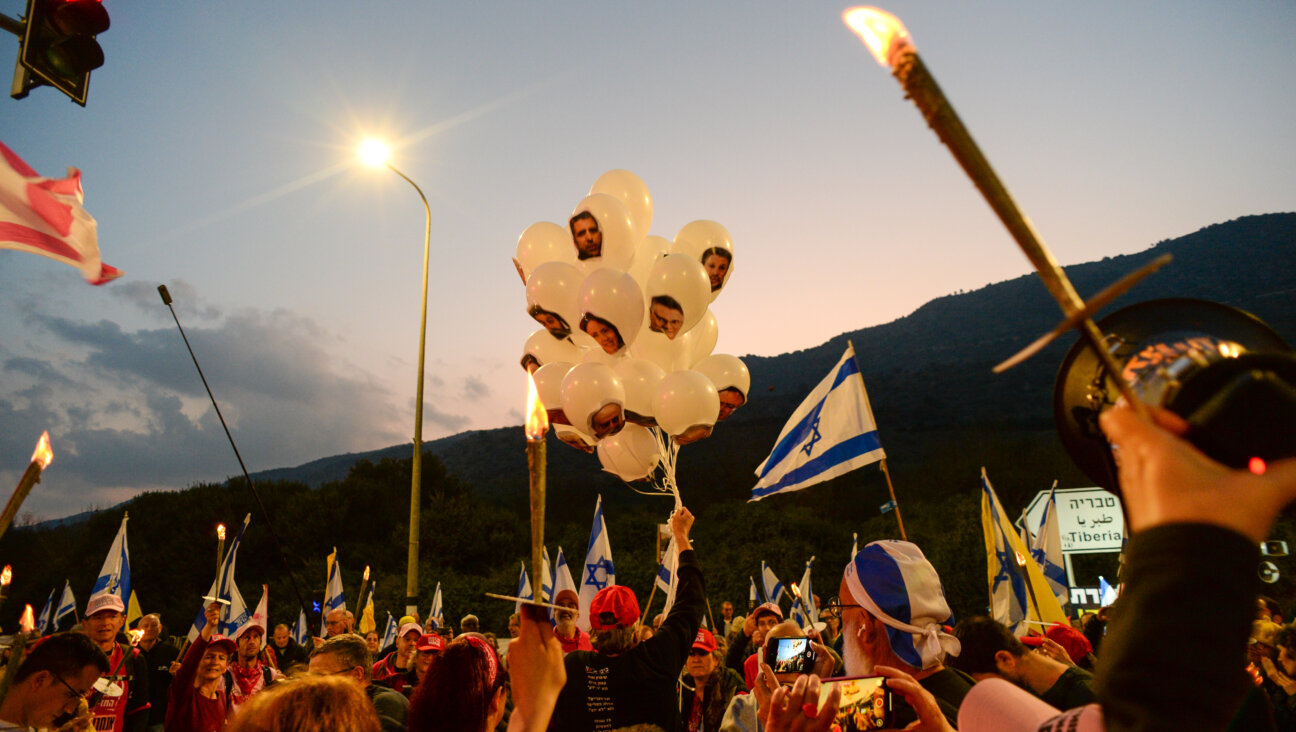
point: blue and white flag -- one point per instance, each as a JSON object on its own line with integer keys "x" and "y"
{"x": 233, "y": 612}
{"x": 435, "y": 614}
{"x": 46, "y": 614}
{"x": 1046, "y": 549}
{"x": 114, "y": 577}
{"x": 598, "y": 571}
{"x": 830, "y": 434}
{"x": 667, "y": 575}
{"x": 1018, "y": 591}
{"x": 771, "y": 586}
{"x": 66, "y": 606}
{"x": 804, "y": 610}
{"x": 523, "y": 590}
{"x": 389, "y": 634}
{"x": 563, "y": 576}
{"x": 334, "y": 595}
{"x": 547, "y": 579}
{"x": 1106, "y": 593}
{"x": 301, "y": 634}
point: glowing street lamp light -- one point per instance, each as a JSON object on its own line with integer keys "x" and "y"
{"x": 376, "y": 153}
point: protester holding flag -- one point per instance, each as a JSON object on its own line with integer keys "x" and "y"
{"x": 125, "y": 709}
{"x": 624, "y": 682}
{"x": 199, "y": 701}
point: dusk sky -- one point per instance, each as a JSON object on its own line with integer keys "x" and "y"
{"x": 217, "y": 154}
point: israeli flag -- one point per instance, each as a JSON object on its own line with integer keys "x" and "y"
{"x": 389, "y": 635}
{"x": 1018, "y": 592}
{"x": 804, "y": 610}
{"x": 523, "y": 590}
{"x": 772, "y": 587}
{"x": 435, "y": 613}
{"x": 302, "y": 635}
{"x": 546, "y": 579}
{"x": 66, "y": 606}
{"x": 1046, "y": 549}
{"x": 667, "y": 574}
{"x": 1106, "y": 593}
{"x": 831, "y": 433}
{"x": 114, "y": 576}
{"x": 334, "y": 596}
{"x": 235, "y": 613}
{"x": 46, "y": 614}
{"x": 563, "y": 576}
{"x": 598, "y": 571}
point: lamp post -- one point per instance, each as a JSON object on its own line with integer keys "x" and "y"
{"x": 375, "y": 153}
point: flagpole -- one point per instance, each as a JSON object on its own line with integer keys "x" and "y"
{"x": 885, "y": 471}
{"x": 709, "y": 615}
{"x": 648, "y": 604}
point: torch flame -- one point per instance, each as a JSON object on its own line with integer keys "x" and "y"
{"x": 796, "y": 591}
{"x": 537, "y": 421}
{"x": 43, "y": 455}
{"x": 366, "y": 574}
{"x": 881, "y": 31}
{"x": 6, "y": 575}
{"x": 135, "y": 634}
{"x": 28, "y": 621}
{"x": 220, "y": 531}
{"x": 1021, "y": 561}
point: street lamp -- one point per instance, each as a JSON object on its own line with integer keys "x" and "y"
{"x": 375, "y": 153}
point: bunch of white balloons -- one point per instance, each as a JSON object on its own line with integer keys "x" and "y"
{"x": 622, "y": 361}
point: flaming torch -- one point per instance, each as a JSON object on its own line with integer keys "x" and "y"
{"x": 6, "y": 576}
{"x": 220, "y": 547}
{"x": 537, "y": 424}
{"x": 364, "y": 584}
{"x": 40, "y": 460}
{"x": 889, "y": 42}
{"x": 27, "y": 626}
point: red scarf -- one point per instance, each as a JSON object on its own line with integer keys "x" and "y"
{"x": 247, "y": 680}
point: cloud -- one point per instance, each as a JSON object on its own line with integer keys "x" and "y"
{"x": 475, "y": 389}
{"x": 451, "y": 422}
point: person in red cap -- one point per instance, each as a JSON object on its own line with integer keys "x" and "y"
{"x": 623, "y": 682}
{"x": 426, "y": 648}
{"x": 198, "y": 700}
{"x": 570, "y": 637}
{"x": 247, "y": 673}
{"x": 706, "y": 686}
{"x": 124, "y": 706}
{"x": 395, "y": 668}
{"x": 757, "y": 624}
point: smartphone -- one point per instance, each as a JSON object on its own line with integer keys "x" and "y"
{"x": 866, "y": 703}
{"x": 790, "y": 655}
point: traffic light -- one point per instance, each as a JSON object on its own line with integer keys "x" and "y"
{"x": 59, "y": 47}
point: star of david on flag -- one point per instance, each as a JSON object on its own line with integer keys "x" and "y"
{"x": 599, "y": 572}
{"x": 831, "y": 433}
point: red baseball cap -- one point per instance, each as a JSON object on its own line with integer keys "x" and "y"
{"x": 221, "y": 643}
{"x": 704, "y": 641}
{"x": 1076, "y": 644}
{"x": 614, "y": 607}
{"x": 430, "y": 642}
{"x": 769, "y": 608}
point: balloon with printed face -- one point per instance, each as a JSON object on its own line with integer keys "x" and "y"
{"x": 630, "y": 190}
{"x": 710, "y": 244}
{"x": 594, "y": 400}
{"x": 552, "y": 292}
{"x": 731, "y": 378}
{"x": 569, "y": 435}
{"x": 602, "y": 233}
{"x": 677, "y": 293}
{"x": 686, "y": 406}
{"x": 611, "y": 308}
{"x": 548, "y": 381}
{"x": 631, "y": 454}
{"x": 640, "y": 379}
{"x": 541, "y": 348}
{"x": 701, "y": 341}
{"x": 543, "y": 241}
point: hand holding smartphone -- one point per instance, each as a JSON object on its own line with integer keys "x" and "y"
{"x": 866, "y": 703}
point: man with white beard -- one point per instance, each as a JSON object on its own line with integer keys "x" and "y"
{"x": 569, "y": 636}
{"x": 892, "y": 606}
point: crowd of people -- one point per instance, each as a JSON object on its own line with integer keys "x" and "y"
{"x": 890, "y": 618}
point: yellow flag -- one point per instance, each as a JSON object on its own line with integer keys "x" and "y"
{"x": 133, "y": 612}
{"x": 1019, "y": 594}
{"x": 367, "y": 617}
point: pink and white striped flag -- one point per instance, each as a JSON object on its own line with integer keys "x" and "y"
{"x": 44, "y": 216}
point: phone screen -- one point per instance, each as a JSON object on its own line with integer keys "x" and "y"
{"x": 865, "y": 703}
{"x": 790, "y": 655}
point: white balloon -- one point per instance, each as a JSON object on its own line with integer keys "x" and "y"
{"x": 669, "y": 355}
{"x": 593, "y": 399}
{"x": 686, "y": 406}
{"x": 611, "y": 309}
{"x": 650, "y": 249}
{"x": 677, "y": 294}
{"x": 725, "y": 372}
{"x": 701, "y": 240}
{"x": 631, "y": 454}
{"x": 612, "y": 242}
{"x": 701, "y": 341}
{"x": 569, "y": 435}
{"x": 552, "y": 293}
{"x": 640, "y": 379}
{"x": 548, "y": 381}
{"x": 544, "y": 348}
{"x": 630, "y": 189}
{"x": 543, "y": 241}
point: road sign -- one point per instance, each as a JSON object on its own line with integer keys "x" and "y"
{"x": 1090, "y": 520}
